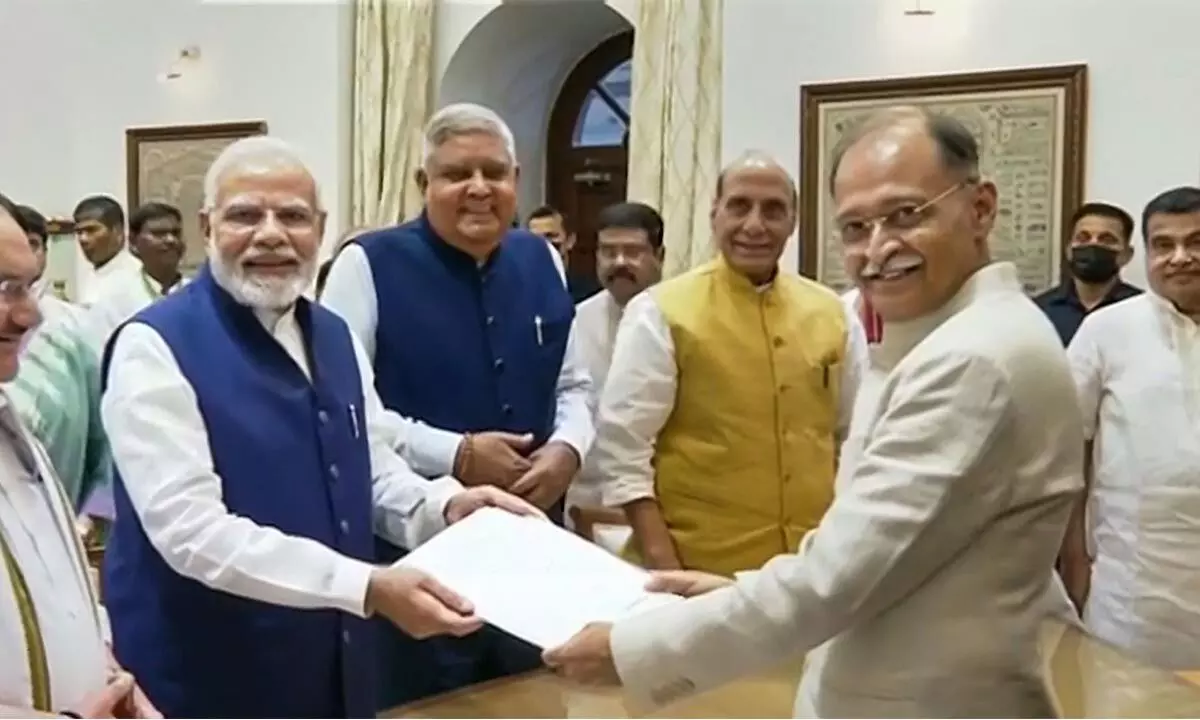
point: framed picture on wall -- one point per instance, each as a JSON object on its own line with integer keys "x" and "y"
{"x": 1031, "y": 126}
{"x": 168, "y": 164}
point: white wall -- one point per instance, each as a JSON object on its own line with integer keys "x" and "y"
{"x": 79, "y": 73}
{"x": 514, "y": 58}
{"x": 1142, "y": 56}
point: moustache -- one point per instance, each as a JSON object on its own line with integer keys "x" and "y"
{"x": 898, "y": 262}
{"x": 622, "y": 273}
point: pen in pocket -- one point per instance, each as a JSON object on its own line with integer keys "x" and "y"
{"x": 354, "y": 420}
{"x": 537, "y": 326}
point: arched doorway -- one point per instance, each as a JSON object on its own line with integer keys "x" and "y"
{"x": 588, "y": 143}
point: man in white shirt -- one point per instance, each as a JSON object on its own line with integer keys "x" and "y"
{"x": 51, "y": 626}
{"x": 100, "y": 230}
{"x": 730, "y": 388}
{"x": 922, "y": 592}
{"x": 254, "y": 462}
{"x": 1132, "y": 561}
{"x": 156, "y": 242}
{"x": 629, "y": 256}
{"x": 472, "y": 335}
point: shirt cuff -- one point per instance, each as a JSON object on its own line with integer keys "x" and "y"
{"x": 577, "y": 441}
{"x": 430, "y": 519}
{"x": 349, "y": 586}
{"x": 620, "y": 492}
{"x": 432, "y": 451}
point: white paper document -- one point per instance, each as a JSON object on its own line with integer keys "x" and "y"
{"x": 533, "y": 579}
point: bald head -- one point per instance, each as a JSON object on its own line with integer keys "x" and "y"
{"x": 956, "y": 147}
{"x": 757, "y": 161}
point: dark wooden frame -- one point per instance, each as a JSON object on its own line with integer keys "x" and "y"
{"x": 1072, "y": 79}
{"x": 135, "y": 136}
{"x": 580, "y": 81}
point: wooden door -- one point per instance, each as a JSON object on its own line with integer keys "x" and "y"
{"x": 588, "y": 149}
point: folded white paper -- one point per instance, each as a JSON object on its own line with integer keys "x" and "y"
{"x": 532, "y": 579}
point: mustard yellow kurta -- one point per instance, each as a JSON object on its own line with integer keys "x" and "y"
{"x": 744, "y": 466}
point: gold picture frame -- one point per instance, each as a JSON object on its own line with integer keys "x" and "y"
{"x": 1040, "y": 112}
{"x": 167, "y": 163}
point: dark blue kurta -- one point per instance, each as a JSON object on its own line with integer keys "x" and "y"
{"x": 467, "y": 347}
{"x": 288, "y": 458}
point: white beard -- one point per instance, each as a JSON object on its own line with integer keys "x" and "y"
{"x": 260, "y": 292}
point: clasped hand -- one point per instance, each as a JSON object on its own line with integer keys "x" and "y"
{"x": 587, "y": 657}
{"x": 498, "y": 459}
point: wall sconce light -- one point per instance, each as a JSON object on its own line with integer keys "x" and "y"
{"x": 186, "y": 57}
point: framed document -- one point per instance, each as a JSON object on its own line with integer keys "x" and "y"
{"x": 1031, "y": 125}
{"x": 168, "y": 164}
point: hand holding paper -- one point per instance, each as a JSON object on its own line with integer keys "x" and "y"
{"x": 418, "y": 604}
{"x": 532, "y": 579}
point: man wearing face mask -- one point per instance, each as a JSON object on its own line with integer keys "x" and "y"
{"x": 730, "y": 388}
{"x": 629, "y": 255}
{"x": 1099, "y": 248}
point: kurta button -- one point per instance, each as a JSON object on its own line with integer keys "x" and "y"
{"x": 334, "y": 472}
{"x": 346, "y": 637}
{"x": 777, "y": 342}
{"x": 322, "y": 416}
{"x": 345, "y": 527}
{"x": 784, "y": 388}
{"x": 491, "y": 320}
{"x": 507, "y": 409}
{"x": 498, "y": 363}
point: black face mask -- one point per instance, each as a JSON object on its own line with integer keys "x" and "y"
{"x": 1094, "y": 263}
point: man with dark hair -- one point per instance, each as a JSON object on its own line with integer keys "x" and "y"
{"x": 551, "y": 224}
{"x": 100, "y": 230}
{"x": 629, "y": 256}
{"x": 156, "y": 244}
{"x": 1132, "y": 563}
{"x": 1098, "y": 248}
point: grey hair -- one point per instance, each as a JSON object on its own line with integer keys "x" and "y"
{"x": 258, "y": 151}
{"x": 466, "y": 119}
{"x": 757, "y": 158}
{"x": 957, "y": 146}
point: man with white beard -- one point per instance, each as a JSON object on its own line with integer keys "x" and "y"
{"x": 253, "y": 463}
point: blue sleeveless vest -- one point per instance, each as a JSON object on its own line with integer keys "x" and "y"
{"x": 288, "y": 457}
{"x": 466, "y": 347}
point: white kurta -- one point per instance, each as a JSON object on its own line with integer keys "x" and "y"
{"x": 160, "y": 445}
{"x": 121, "y": 270}
{"x": 40, "y": 532}
{"x": 121, "y": 302}
{"x": 596, "y": 321}
{"x": 928, "y": 579}
{"x": 1137, "y": 367}
{"x": 640, "y": 396}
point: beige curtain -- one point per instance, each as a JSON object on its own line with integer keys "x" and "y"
{"x": 675, "y": 137}
{"x": 393, "y": 95}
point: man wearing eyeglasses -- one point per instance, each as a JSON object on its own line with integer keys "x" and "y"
{"x": 923, "y": 590}
{"x": 729, "y": 389}
{"x": 1133, "y": 567}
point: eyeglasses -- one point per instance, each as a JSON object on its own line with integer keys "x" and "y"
{"x": 897, "y": 222}
{"x": 14, "y": 291}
